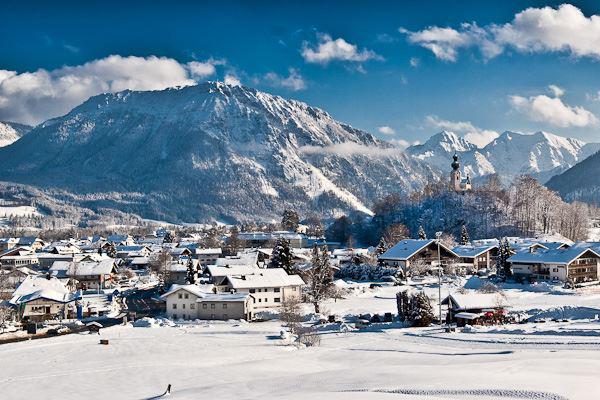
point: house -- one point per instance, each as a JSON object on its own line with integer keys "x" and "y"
{"x": 425, "y": 251}
{"x": 267, "y": 239}
{"x": 120, "y": 240}
{"x": 476, "y": 258}
{"x": 31, "y": 241}
{"x": 8, "y": 243}
{"x": 90, "y": 275}
{"x": 578, "y": 263}
{"x": 189, "y": 302}
{"x": 269, "y": 287}
{"x": 45, "y": 260}
{"x": 177, "y": 271}
{"x": 42, "y": 298}
{"x": 20, "y": 256}
{"x": 217, "y": 274}
{"x": 475, "y": 308}
{"x": 208, "y": 256}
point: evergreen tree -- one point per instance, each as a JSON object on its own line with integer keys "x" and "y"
{"x": 191, "y": 271}
{"x": 111, "y": 251}
{"x": 403, "y": 305}
{"x": 290, "y": 220}
{"x": 421, "y": 310}
{"x": 319, "y": 278}
{"x": 422, "y": 234}
{"x": 168, "y": 238}
{"x": 503, "y": 270}
{"x": 464, "y": 236}
{"x": 382, "y": 247}
{"x": 282, "y": 256}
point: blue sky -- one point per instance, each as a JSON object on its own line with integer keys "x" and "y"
{"x": 413, "y": 68}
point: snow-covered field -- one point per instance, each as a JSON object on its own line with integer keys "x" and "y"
{"x": 552, "y": 360}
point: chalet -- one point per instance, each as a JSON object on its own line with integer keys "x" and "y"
{"x": 19, "y": 257}
{"x": 32, "y": 242}
{"x": 474, "y": 308}
{"x": 269, "y": 287}
{"x": 90, "y": 275}
{"x": 8, "y": 243}
{"x": 217, "y": 275}
{"x": 476, "y": 258}
{"x": 208, "y": 256}
{"x": 177, "y": 271}
{"x": 578, "y": 263}
{"x": 189, "y": 302}
{"x": 41, "y": 298}
{"x": 425, "y": 251}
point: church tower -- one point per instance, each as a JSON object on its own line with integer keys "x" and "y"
{"x": 456, "y": 182}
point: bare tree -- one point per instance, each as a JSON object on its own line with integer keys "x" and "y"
{"x": 291, "y": 314}
{"x": 320, "y": 278}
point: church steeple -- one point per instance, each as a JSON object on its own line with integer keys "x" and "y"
{"x": 456, "y": 182}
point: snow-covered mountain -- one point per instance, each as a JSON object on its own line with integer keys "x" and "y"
{"x": 581, "y": 182}
{"x": 10, "y": 132}
{"x": 541, "y": 154}
{"x": 211, "y": 151}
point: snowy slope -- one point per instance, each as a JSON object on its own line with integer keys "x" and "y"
{"x": 541, "y": 154}
{"x": 581, "y": 182}
{"x": 210, "y": 151}
{"x": 11, "y": 132}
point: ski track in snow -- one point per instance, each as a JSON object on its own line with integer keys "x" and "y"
{"x": 504, "y": 393}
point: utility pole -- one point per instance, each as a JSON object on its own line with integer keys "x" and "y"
{"x": 437, "y": 236}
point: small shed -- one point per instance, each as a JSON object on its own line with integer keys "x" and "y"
{"x": 94, "y": 327}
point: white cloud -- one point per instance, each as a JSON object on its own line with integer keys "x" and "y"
{"x": 553, "y": 111}
{"x": 347, "y": 149}
{"x": 386, "y": 130}
{"x": 328, "y": 50}
{"x": 415, "y": 62}
{"x": 202, "y": 70}
{"x": 533, "y": 30}
{"x": 401, "y": 143}
{"x": 32, "y": 97}
{"x": 557, "y": 91}
{"x": 232, "y": 80}
{"x": 471, "y": 133}
{"x": 294, "y": 81}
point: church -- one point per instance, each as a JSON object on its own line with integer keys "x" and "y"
{"x": 457, "y": 183}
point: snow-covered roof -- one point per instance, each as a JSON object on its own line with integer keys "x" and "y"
{"x": 228, "y": 297}
{"x": 475, "y": 301}
{"x": 209, "y": 251}
{"x": 559, "y": 256}
{"x": 405, "y": 249}
{"x": 103, "y": 267}
{"x": 218, "y": 270}
{"x": 35, "y": 287}
{"x": 196, "y": 290}
{"x": 472, "y": 251}
{"x": 269, "y": 277}
{"x": 240, "y": 259}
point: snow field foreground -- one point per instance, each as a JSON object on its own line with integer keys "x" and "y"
{"x": 249, "y": 361}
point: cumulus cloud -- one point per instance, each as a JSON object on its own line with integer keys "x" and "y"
{"x": 348, "y": 149}
{"x": 327, "y": 50}
{"x": 31, "y": 97}
{"x": 552, "y": 110}
{"x": 386, "y": 130}
{"x": 294, "y": 81}
{"x": 471, "y": 133}
{"x": 231, "y": 79}
{"x": 557, "y": 91}
{"x": 533, "y": 30}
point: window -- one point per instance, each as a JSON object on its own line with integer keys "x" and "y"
{"x": 212, "y": 306}
{"x": 259, "y": 290}
{"x": 183, "y": 306}
{"x": 224, "y": 305}
{"x": 180, "y": 295}
{"x": 187, "y": 296}
{"x": 294, "y": 288}
{"x": 204, "y": 306}
{"x": 174, "y": 306}
{"x": 277, "y": 300}
{"x": 252, "y": 290}
{"x": 259, "y": 300}
{"x": 277, "y": 290}
{"x": 192, "y": 306}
